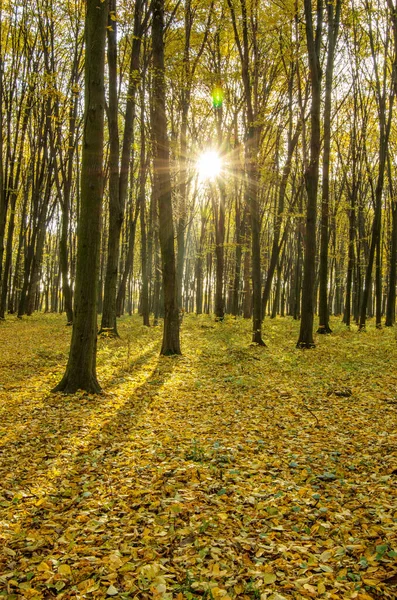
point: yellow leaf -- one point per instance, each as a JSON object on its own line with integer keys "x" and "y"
{"x": 64, "y": 570}
{"x": 269, "y": 578}
{"x": 321, "y": 588}
{"x": 88, "y": 585}
{"x": 112, "y": 591}
{"x": 372, "y": 582}
{"x": 115, "y": 562}
{"x": 43, "y": 566}
{"x": 150, "y": 571}
{"x": 218, "y": 592}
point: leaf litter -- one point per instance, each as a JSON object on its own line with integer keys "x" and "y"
{"x": 230, "y": 472}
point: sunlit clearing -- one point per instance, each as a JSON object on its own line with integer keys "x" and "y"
{"x": 209, "y": 165}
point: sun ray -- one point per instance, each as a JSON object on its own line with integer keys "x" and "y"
{"x": 209, "y": 165}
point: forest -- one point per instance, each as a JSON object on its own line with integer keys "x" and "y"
{"x": 198, "y": 262}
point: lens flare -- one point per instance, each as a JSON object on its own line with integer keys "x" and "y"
{"x": 209, "y": 165}
{"x": 217, "y": 97}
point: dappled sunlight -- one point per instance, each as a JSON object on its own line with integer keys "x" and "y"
{"x": 122, "y": 491}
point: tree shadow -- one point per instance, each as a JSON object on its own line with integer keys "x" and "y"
{"x": 61, "y": 485}
{"x": 54, "y": 440}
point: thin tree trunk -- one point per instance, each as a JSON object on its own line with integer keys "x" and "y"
{"x": 142, "y": 202}
{"x": 385, "y": 102}
{"x": 219, "y": 212}
{"x": 391, "y": 295}
{"x": 333, "y": 28}
{"x": 116, "y": 208}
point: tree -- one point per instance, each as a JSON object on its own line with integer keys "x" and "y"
{"x": 81, "y": 368}
{"x": 251, "y": 157}
{"x": 385, "y": 89}
{"x": 333, "y": 13}
{"x": 162, "y": 183}
{"x": 17, "y": 93}
{"x": 313, "y": 39}
{"x": 391, "y": 296}
{"x": 118, "y": 178}
{"x": 187, "y": 74}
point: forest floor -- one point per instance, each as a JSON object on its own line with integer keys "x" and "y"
{"x": 231, "y": 472}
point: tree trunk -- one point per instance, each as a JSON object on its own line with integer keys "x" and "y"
{"x": 276, "y": 246}
{"x": 391, "y": 295}
{"x": 81, "y": 368}
{"x": 219, "y": 213}
{"x": 162, "y": 182}
{"x": 333, "y": 28}
{"x": 385, "y": 100}
{"x": 8, "y": 258}
{"x": 129, "y": 262}
{"x": 251, "y": 163}
{"x": 247, "y": 295}
{"x": 142, "y": 202}
{"x": 311, "y": 176}
{"x": 116, "y": 209}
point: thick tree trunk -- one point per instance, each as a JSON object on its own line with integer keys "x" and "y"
{"x": 81, "y": 368}
{"x": 162, "y": 182}
{"x": 311, "y": 177}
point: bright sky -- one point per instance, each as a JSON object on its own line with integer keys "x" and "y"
{"x": 209, "y": 165}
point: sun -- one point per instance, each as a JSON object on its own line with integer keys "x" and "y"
{"x": 209, "y": 165}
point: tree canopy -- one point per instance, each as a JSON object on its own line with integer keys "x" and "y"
{"x": 294, "y": 99}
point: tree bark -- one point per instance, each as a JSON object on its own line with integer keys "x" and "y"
{"x": 385, "y": 101}
{"x": 311, "y": 176}
{"x": 162, "y": 182}
{"x": 333, "y": 28}
{"x": 219, "y": 214}
{"x": 142, "y": 202}
{"x": 391, "y": 293}
{"x": 81, "y": 368}
{"x": 251, "y": 168}
{"x": 116, "y": 207}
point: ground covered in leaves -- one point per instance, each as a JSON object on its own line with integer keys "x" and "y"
{"x": 230, "y": 472}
